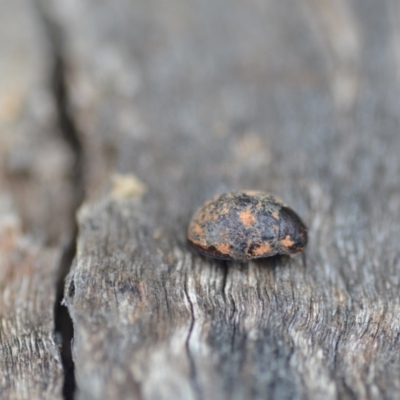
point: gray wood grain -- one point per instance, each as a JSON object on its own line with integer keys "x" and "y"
{"x": 30, "y": 363}
{"x": 36, "y": 199}
{"x": 198, "y": 97}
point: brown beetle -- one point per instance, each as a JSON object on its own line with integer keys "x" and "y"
{"x": 245, "y": 225}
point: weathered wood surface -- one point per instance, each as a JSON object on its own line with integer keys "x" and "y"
{"x": 198, "y": 97}
{"x": 36, "y": 203}
{"x": 30, "y": 363}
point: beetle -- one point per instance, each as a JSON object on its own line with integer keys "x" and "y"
{"x": 245, "y": 225}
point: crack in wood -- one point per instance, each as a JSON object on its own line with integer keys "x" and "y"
{"x": 192, "y": 364}
{"x": 71, "y": 136}
{"x": 224, "y": 278}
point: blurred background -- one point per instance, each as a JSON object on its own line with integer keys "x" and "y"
{"x": 265, "y": 92}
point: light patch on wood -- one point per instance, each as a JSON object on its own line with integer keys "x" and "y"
{"x": 252, "y": 150}
{"x": 127, "y": 186}
{"x": 247, "y": 218}
{"x": 157, "y": 234}
{"x": 252, "y": 192}
{"x": 275, "y": 215}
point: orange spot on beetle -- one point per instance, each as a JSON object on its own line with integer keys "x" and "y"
{"x": 262, "y": 250}
{"x": 197, "y": 230}
{"x": 247, "y": 217}
{"x": 286, "y": 242}
{"x": 223, "y": 248}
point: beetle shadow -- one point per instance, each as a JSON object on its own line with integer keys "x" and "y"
{"x": 272, "y": 262}
{"x": 263, "y": 264}
{"x": 267, "y": 263}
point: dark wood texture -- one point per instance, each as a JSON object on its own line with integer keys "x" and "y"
{"x": 178, "y": 101}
